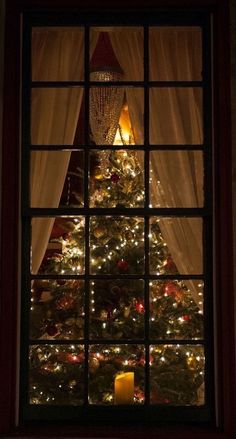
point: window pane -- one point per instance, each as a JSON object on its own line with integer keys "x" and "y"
{"x": 56, "y": 178}
{"x": 116, "y": 245}
{"x": 116, "y": 178}
{"x": 106, "y": 363}
{"x": 55, "y": 115}
{"x": 57, "y": 53}
{"x": 117, "y": 309}
{"x": 57, "y": 309}
{"x": 116, "y": 53}
{"x": 176, "y": 179}
{"x": 169, "y": 362}
{"x": 175, "y": 53}
{"x": 57, "y": 245}
{"x": 175, "y": 116}
{"x": 176, "y": 309}
{"x": 56, "y": 374}
{"x": 106, "y": 106}
{"x": 176, "y": 246}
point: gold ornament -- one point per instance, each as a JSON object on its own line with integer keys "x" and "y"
{"x": 127, "y": 311}
{"x": 46, "y": 296}
{"x": 99, "y": 231}
{"x": 98, "y": 173}
{"x": 94, "y": 364}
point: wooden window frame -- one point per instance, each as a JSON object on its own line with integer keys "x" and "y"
{"x": 9, "y": 322}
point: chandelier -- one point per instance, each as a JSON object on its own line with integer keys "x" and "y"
{"x": 105, "y": 102}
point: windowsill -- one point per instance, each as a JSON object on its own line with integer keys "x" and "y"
{"x": 119, "y": 432}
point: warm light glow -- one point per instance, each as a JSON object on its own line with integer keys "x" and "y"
{"x": 124, "y": 388}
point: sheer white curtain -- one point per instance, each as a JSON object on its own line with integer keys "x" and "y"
{"x": 57, "y": 54}
{"x": 175, "y": 117}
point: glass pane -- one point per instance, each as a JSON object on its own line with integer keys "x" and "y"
{"x": 175, "y": 53}
{"x": 121, "y": 183}
{"x": 116, "y": 245}
{"x": 55, "y": 116}
{"x": 57, "y": 309}
{"x": 106, "y": 384}
{"x": 56, "y": 374}
{"x": 177, "y": 375}
{"x": 57, "y": 53}
{"x": 176, "y": 309}
{"x": 175, "y": 116}
{"x": 116, "y": 54}
{"x": 117, "y": 309}
{"x": 176, "y": 246}
{"x": 176, "y": 179}
{"x": 49, "y": 186}
{"x": 108, "y": 122}
{"x": 57, "y": 245}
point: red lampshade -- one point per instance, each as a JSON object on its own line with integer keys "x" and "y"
{"x": 104, "y": 58}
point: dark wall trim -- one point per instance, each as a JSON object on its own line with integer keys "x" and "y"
{"x": 10, "y": 214}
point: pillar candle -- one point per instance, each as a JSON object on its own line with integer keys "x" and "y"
{"x": 124, "y": 388}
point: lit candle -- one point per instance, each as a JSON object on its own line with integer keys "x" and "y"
{"x": 124, "y": 388}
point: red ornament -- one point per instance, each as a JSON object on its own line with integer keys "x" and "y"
{"x": 139, "y": 307}
{"x": 122, "y": 265}
{"x": 115, "y": 178}
{"x": 170, "y": 265}
{"x": 65, "y": 303}
{"x": 186, "y": 318}
{"x": 52, "y": 330}
{"x": 171, "y": 289}
{"x": 75, "y": 358}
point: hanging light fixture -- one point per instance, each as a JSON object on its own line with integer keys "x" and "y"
{"x": 105, "y": 102}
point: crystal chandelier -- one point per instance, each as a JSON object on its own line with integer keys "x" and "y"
{"x": 105, "y": 102}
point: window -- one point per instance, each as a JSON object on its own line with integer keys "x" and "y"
{"x": 117, "y": 217}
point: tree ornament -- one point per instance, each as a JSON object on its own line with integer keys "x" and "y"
{"x": 116, "y": 290}
{"x": 99, "y": 231}
{"x": 66, "y": 302}
{"x": 72, "y": 383}
{"x": 103, "y": 314}
{"x": 66, "y": 236}
{"x": 115, "y": 178}
{"x": 48, "y": 368}
{"x": 52, "y": 330}
{"x": 94, "y": 364}
{"x": 61, "y": 281}
{"x": 170, "y": 265}
{"x": 98, "y": 173}
{"x": 45, "y": 296}
{"x": 122, "y": 265}
{"x": 140, "y": 307}
{"x": 186, "y": 317}
{"x": 126, "y": 311}
{"x": 170, "y": 289}
{"x": 75, "y": 358}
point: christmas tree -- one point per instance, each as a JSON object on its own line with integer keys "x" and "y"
{"x": 117, "y": 305}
